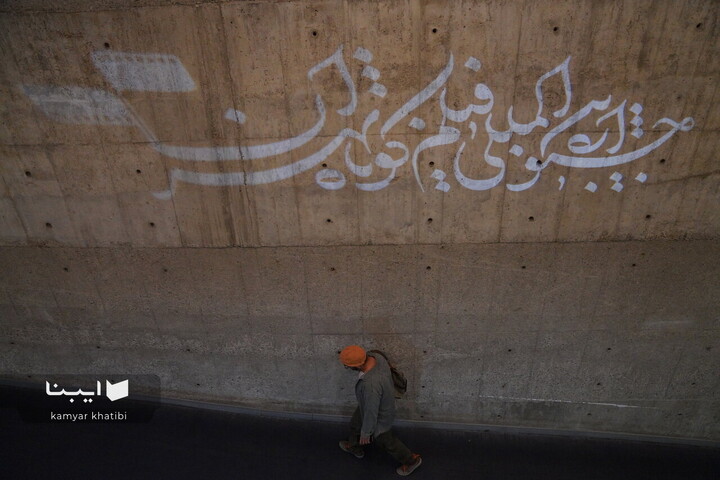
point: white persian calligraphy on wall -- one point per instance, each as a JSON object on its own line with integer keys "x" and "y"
{"x": 458, "y": 127}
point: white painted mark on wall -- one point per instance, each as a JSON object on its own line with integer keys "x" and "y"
{"x": 417, "y": 123}
{"x": 235, "y": 115}
{"x": 603, "y": 148}
{"x": 550, "y": 400}
{"x": 371, "y": 72}
{"x": 330, "y": 179}
{"x": 637, "y": 121}
{"x": 143, "y": 71}
{"x": 517, "y": 150}
{"x": 363, "y": 55}
{"x": 378, "y": 89}
{"x": 473, "y": 64}
{"x": 442, "y": 185}
{"x": 79, "y": 105}
{"x": 591, "y": 187}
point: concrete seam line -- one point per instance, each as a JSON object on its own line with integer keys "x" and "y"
{"x": 701, "y": 238}
{"x": 457, "y": 426}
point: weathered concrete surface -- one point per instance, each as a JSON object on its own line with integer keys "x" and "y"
{"x": 585, "y": 299}
{"x": 606, "y": 336}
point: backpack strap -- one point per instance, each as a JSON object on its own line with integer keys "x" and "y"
{"x": 382, "y": 354}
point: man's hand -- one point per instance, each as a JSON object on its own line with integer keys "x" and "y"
{"x": 365, "y": 440}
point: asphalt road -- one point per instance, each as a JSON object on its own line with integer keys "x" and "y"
{"x": 189, "y": 443}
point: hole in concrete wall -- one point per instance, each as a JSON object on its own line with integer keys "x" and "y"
{"x": 329, "y": 220}
{"x": 27, "y": 173}
{"x": 423, "y": 386}
{"x": 662, "y": 160}
{"x": 97, "y": 346}
{"x": 524, "y": 267}
{"x": 324, "y": 165}
{"x": 598, "y": 384}
{"x": 555, "y": 29}
{"x": 314, "y": 33}
{"x": 107, "y": 45}
{"x": 539, "y": 163}
{"x": 165, "y": 270}
{"x": 187, "y": 349}
{"x": 12, "y": 343}
{"x": 532, "y": 219}
{"x": 434, "y": 30}
{"x": 699, "y": 25}
{"x": 429, "y": 220}
{"x": 432, "y": 164}
{"x": 152, "y": 224}
{"x": 138, "y": 171}
{"x": 332, "y": 269}
{"x": 48, "y": 225}
{"x": 634, "y": 264}
{"x": 589, "y": 414}
{"x": 648, "y": 217}
{"x": 609, "y": 349}
{"x": 509, "y": 350}
{"x": 197, "y": 384}
{"x": 66, "y": 269}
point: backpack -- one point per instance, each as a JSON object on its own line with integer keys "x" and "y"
{"x": 399, "y": 380}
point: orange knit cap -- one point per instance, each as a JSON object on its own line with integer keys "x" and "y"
{"x": 352, "y": 356}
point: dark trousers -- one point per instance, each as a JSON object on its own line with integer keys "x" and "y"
{"x": 386, "y": 440}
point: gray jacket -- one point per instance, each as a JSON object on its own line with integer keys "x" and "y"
{"x": 376, "y": 396}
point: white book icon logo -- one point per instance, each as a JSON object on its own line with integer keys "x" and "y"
{"x": 116, "y": 391}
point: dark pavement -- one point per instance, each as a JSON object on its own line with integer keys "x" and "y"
{"x": 188, "y": 443}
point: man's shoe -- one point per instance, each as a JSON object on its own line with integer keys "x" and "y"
{"x": 345, "y": 447}
{"x": 405, "y": 470}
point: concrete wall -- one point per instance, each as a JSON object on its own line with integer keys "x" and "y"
{"x": 518, "y": 200}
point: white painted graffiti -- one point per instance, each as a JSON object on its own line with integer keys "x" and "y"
{"x": 166, "y": 73}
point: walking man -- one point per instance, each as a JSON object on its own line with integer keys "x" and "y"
{"x": 375, "y": 413}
